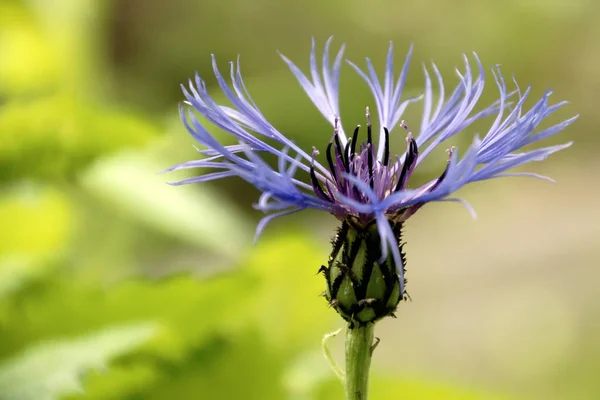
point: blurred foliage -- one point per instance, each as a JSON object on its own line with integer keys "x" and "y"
{"x": 54, "y": 117}
{"x": 35, "y": 130}
{"x": 114, "y": 285}
{"x": 52, "y": 370}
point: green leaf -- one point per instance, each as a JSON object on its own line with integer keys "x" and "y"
{"x": 272, "y": 297}
{"x": 307, "y": 373}
{"x": 44, "y": 208}
{"x": 66, "y": 134}
{"x": 288, "y": 306}
{"x": 15, "y": 271}
{"x": 196, "y": 215}
{"x": 190, "y": 310}
{"x": 27, "y": 60}
{"x": 53, "y": 369}
{"x": 25, "y": 252}
{"x": 52, "y": 44}
{"x": 236, "y": 365}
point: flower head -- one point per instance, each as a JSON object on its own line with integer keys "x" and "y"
{"x": 361, "y": 182}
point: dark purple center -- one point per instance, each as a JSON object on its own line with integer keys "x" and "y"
{"x": 384, "y": 176}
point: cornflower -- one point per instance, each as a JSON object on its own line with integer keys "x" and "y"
{"x": 362, "y": 184}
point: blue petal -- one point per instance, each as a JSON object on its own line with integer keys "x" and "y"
{"x": 325, "y": 97}
{"x": 204, "y": 178}
{"x": 464, "y": 203}
{"x": 452, "y": 117}
{"x": 389, "y": 242}
{"x": 262, "y": 224}
{"x": 387, "y": 99}
{"x": 514, "y": 160}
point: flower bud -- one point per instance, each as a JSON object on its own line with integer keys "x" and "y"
{"x": 360, "y": 286}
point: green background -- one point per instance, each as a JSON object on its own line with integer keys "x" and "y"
{"x": 114, "y": 285}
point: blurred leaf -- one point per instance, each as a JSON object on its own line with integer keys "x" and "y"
{"x": 53, "y": 120}
{"x": 306, "y": 374}
{"x": 196, "y": 215}
{"x": 190, "y": 310}
{"x": 55, "y": 136}
{"x": 124, "y": 380}
{"x": 36, "y": 220}
{"x": 73, "y": 27}
{"x": 15, "y": 271}
{"x": 53, "y": 369}
{"x": 27, "y": 59}
{"x": 236, "y": 365}
{"x": 51, "y": 45}
{"x": 272, "y": 295}
{"x": 36, "y": 226}
{"x": 289, "y": 308}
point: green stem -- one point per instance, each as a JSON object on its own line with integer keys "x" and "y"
{"x": 359, "y": 341}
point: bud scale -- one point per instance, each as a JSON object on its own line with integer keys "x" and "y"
{"x": 359, "y": 285}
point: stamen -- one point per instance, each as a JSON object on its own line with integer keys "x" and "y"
{"x": 370, "y": 150}
{"x": 338, "y": 145}
{"x": 313, "y": 178}
{"x": 439, "y": 181}
{"x": 409, "y": 161}
{"x": 386, "y": 147}
{"x": 330, "y": 161}
{"x": 338, "y": 149}
{"x": 354, "y": 142}
{"x": 402, "y": 124}
{"x": 346, "y": 156}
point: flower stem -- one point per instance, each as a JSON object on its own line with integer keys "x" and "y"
{"x": 359, "y": 342}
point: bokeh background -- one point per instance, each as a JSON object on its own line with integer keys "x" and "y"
{"x": 114, "y": 285}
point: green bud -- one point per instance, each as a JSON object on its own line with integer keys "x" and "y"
{"x": 361, "y": 289}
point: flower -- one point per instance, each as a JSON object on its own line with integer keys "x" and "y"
{"x": 363, "y": 184}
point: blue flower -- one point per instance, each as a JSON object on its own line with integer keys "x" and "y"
{"x": 361, "y": 179}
